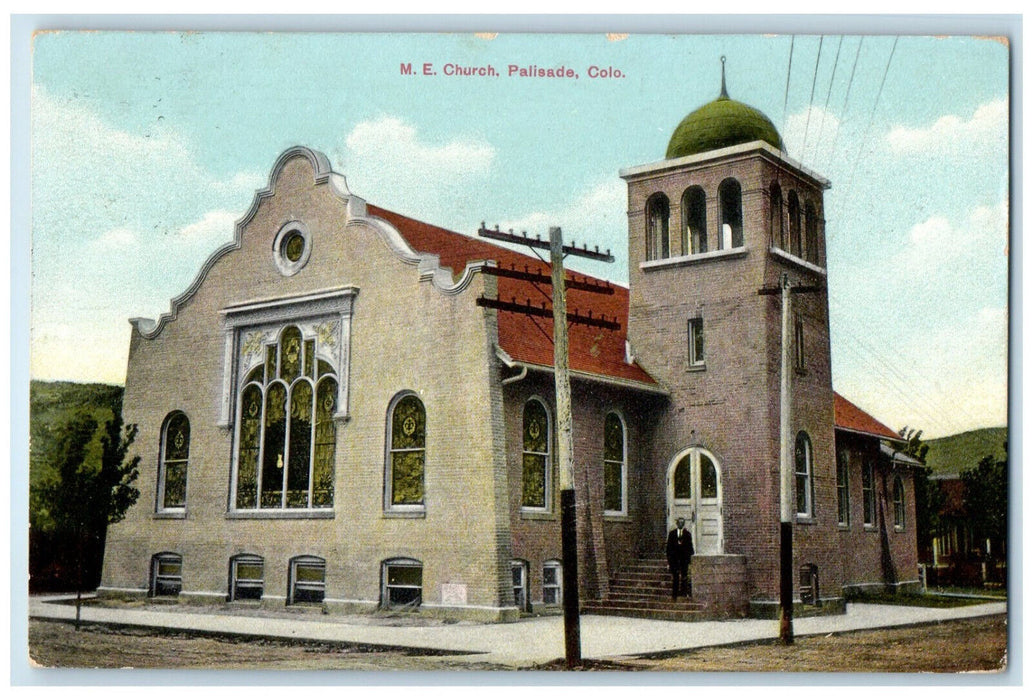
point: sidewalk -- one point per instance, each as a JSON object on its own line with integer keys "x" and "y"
{"x": 529, "y": 641}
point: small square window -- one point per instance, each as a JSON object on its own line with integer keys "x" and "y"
{"x": 696, "y": 357}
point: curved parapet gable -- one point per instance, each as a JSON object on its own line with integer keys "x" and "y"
{"x": 428, "y": 264}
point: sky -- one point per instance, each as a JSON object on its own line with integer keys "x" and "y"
{"x": 146, "y": 147}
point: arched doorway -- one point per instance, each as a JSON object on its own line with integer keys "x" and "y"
{"x": 694, "y": 493}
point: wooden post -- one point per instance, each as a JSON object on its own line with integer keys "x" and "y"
{"x": 564, "y": 453}
{"x": 785, "y": 626}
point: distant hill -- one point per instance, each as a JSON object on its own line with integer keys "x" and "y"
{"x": 53, "y": 404}
{"x": 955, "y": 453}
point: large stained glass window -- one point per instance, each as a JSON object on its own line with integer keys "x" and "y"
{"x": 285, "y": 443}
{"x": 614, "y": 465}
{"x": 407, "y": 452}
{"x": 536, "y": 465}
{"x": 175, "y": 452}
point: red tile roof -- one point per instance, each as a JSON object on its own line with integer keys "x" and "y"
{"x": 525, "y": 338}
{"x": 850, "y": 417}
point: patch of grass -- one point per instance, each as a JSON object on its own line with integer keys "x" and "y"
{"x": 918, "y": 600}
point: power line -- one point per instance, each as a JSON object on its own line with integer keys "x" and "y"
{"x": 871, "y": 119}
{"x": 828, "y": 96}
{"x": 814, "y": 83}
{"x": 893, "y": 368}
{"x": 846, "y": 101}
{"x": 789, "y": 72}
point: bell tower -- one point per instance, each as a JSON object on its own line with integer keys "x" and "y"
{"x": 724, "y": 215}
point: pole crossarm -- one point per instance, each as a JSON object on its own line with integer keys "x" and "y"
{"x": 537, "y": 242}
{"x": 530, "y": 310}
{"x": 802, "y": 289}
{"x": 583, "y": 284}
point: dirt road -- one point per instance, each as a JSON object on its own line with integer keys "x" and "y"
{"x": 977, "y": 644}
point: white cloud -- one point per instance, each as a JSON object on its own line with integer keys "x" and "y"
{"x": 214, "y": 226}
{"x": 986, "y": 129}
{"x": 392, "y": 144}
{"x": 810, "y": 138}
{"x": 596, "y": 216}
{"x": 932, "y": 245}
{"x": 116, "y": 238}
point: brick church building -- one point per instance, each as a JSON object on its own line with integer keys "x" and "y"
{"x": 327, "y": 416}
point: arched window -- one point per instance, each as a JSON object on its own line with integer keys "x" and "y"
{"x": 898, "y": 503}
{"x": 306, "y": 580}
{"x": 843, "y": 486}
{"x": 247, "y": 577}
{"x": 537, "y": 463}
{"x": 286, "y": 433}
{"x": 794, "y": 225}
{"x": 804, "y": 475}
{"x": 615, "y": 466}
{"x": 172, "y": 469}
{"x": 694, "y": 212}
{"x": 811, "y": 230}
{"x": 166, "y": 574}
{"x": 402, "y": 583}
{"x": 407, "y": 452}
{"x": 775, "y": 215}
{"x": 658, "y": 238}
{"x": 730, "y": 195}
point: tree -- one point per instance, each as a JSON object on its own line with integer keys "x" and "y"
{"x": 986, "y": 499}
{"x": 81, "y": 497}
{"x": 928, "y": 497}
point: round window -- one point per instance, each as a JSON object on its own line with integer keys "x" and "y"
{"x": 293, "y": 246}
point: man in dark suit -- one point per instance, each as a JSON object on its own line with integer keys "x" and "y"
{"x": 679, "y": 554}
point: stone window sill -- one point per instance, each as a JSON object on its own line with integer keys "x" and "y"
{"x": 414, "y": 514}
{"x": 282, "y": 514}
{"x": 170, "y": 515}
{"x": 692, "y": 259}
{"x": 617, "y": 518}
{"x": 537, "y": 515}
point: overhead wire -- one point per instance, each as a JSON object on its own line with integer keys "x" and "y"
{"x": 789, "y": 73}
{"x": 810, "y": 106}
{"x": 871, "y": 118}
{"x": 828, "y": 97}
{"x": 846, "y": 101}
{"x": 916, "y": 397}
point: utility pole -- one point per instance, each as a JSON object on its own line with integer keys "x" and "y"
{"x": 785, "y": 466}
{"x": 565, "y": 453}
{"x": 564, "y": 420}
{"x": 785, "y": 556}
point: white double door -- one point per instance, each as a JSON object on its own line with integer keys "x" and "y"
{"x": 694, "y": 493}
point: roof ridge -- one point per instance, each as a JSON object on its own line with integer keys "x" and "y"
{"x": 374, "y": 208}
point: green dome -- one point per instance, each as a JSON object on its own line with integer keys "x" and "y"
{"x": 719, "y": 124}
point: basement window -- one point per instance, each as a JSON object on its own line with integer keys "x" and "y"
{"x": 552, "y": 582}
{"x": 166, "y": 574}
{"x": 307, "y": 580}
